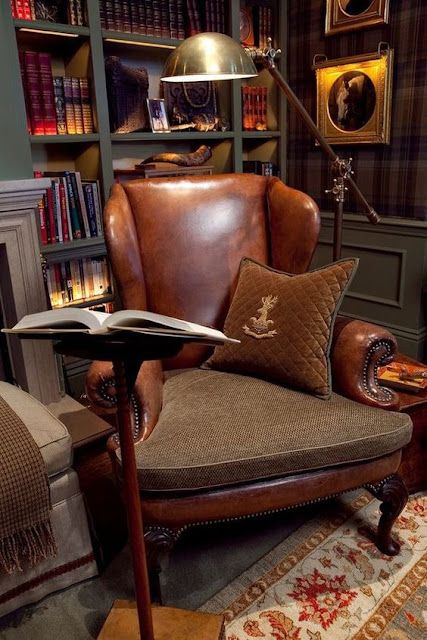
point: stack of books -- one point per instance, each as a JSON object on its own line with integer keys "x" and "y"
{"x": 77, "y": 280}
{"x": 70, "y": 209}
{"x": 254, "y": 108}
{"x": 55, "y": 105}
{"x": 61, "y": 11}
{"x": 163, "y": 18}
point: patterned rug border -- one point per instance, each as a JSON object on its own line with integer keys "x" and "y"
{"x": 257, "y": 594}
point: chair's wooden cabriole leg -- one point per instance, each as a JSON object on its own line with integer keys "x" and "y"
{"x": 159, "y": 541}
{"x": 394, "y": 496}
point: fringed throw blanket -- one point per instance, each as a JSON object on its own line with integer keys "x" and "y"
{"x": 26, "y": 535}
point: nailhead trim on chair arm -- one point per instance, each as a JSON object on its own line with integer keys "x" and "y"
{"x": 113, "y": 400}
{"x": 380, "y": 361}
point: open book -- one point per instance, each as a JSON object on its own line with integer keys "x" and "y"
{"x": 96, "y": 322}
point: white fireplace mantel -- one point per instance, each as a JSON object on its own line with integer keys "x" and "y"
{"x": 21, "y": 285}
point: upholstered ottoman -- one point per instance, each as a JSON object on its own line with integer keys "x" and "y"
{"x": 74, "y": 560}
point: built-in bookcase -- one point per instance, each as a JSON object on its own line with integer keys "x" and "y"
{"x": 79, "y": 50}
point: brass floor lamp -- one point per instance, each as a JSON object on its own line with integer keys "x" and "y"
{"x": 214, "y": 56}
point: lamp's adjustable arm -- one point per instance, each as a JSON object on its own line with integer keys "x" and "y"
{"x": 341, "y": 168}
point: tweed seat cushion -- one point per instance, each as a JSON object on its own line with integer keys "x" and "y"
{"x": 220, "y": 428}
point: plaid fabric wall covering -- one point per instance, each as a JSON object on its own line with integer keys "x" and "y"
{"x": 392, "y": 177}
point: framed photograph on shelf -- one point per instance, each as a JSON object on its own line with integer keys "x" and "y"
{"x": 347, "y": 15}
{"x": 158, "y": 116}
{"x": 354, "y": 98}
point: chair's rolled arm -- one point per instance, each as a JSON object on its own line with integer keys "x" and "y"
{"x": 358, "y": 349}
{"x": 146, "y": 397}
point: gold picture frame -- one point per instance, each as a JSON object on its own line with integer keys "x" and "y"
{"x": 354, "y": 98}
{"x": 347, "y": 15}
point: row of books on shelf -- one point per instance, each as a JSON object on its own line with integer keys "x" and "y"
{"x": 254, "y": 108}
{"x": 163, "y": 18}
{"x": 62, "y": 11}
{"x": 75, "y": 281}
{"x": 70, "y": 208}
{"x": 261, "y": 168}
{"x": 54, "y": 104}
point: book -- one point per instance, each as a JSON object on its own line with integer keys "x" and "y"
{"x": 403, "y": 377}
{"x": 58, "y": 89}
{"x": 47, "y": 93}
{"x": 78, "y": 320}
{"x": 33, "y": 88}
{"x": 77, "y": 104}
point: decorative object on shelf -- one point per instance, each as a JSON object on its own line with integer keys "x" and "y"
{"x": 158, "y": 116}
{"x": 127, "y": 90}
{"x": 348, "y": 15}
{"x": 194, "y": 104}
{"x": 196, "y": 158}
{"x": 228, "y": 60}
{"x": 354, "y": 97}
{"x": 246, "y": 27}
{"x": 161, "y": 170}
{"x": 50, "y": 10}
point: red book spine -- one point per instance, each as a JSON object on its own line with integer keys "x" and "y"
{"x": 64, "y": 219}
{"x": 27, "y": 9}
{"x": 51, "y": 215}
{"x": 42, "y": 217}
{"x": 32, "y": 77}
{"x": 19, "y": 9}
{"x": 77, "y": 104}
{"x": 48, "y": 96}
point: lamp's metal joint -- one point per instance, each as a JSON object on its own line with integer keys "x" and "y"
{"x": 267, "y": 55}
{"x": 338, "y": 190}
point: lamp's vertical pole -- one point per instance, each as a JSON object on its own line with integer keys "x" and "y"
{"x": 124, "y": 383}
{"x": 338, "y": 218}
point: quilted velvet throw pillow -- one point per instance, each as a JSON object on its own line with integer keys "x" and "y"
{"x": 285, "y": 324}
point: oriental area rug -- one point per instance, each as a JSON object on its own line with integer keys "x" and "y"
{"x": 328, "y": 581}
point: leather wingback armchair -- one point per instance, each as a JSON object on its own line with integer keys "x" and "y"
{"x": 175, "y": 245}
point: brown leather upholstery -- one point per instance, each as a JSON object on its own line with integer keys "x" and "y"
{"x": 175, "y": 245}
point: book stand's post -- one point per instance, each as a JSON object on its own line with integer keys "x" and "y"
{"x": 128, "y": 351}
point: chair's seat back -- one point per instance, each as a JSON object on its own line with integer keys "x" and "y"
{"x": 175, "y": 244}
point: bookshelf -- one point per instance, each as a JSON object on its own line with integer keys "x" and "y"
{"x": 80, "y": 50}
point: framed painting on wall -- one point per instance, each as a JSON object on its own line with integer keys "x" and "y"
{"x": 347, "y": 15}
{"x": 354, "y": 98}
